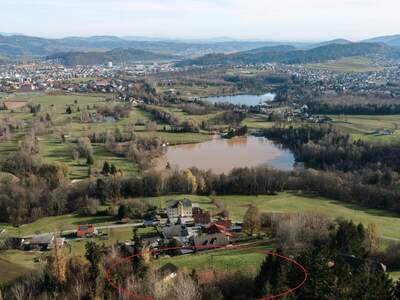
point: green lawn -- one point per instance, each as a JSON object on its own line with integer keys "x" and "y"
{"x": 387, "y": 223}
{"x": 244, "y": 260}
{"x": 395, "y": 275}
{"x": 14, "y": 263}
{"x": 56, "y": 224}
{"x": 114, "y": 235}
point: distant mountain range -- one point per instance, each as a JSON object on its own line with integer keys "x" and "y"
{"x": 119, "y": 55}
{"x": 20, "y": 46}
{"x": 391, "y": 40}
{"x": 72, "y": 50}
{"x": 289, "y": 55}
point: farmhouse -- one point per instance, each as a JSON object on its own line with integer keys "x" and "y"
{"x": 43, "y": 242}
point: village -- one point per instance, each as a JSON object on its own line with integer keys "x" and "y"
{"x": 182, "y": 223}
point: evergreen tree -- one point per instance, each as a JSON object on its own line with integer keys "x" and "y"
{"x": 113, "y": 169}
{"x": 138, "y": 264}
{"x": 320, "y": 284}
{"x": 261, "y": 282}
{"x": 122, "y": 211}
{"x": 370, "y": 283}
{"x": 93, "y": 255}
{"x": 349, "y": 239}
{"x": 396, "y": 291}
{"x": 90, "y": 160}
{"x": 106, "y": 168}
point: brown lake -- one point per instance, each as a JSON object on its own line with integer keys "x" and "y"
{"x": 223, "y": 155}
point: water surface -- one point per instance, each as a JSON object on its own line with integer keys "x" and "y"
{"x": 222, "y": 155}
{"x": 243, "y": 99}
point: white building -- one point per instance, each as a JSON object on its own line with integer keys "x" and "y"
{"x": 179, "y": 209}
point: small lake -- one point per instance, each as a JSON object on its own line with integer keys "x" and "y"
{"x": 222, "y": 155}
{"x": 243, "y": 99}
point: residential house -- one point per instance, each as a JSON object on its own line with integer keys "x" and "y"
{"x": 214, "y": 228}
{"x": 175, "y": 231}
{"x": 215, "y": 239}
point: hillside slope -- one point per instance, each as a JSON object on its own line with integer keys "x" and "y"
{"x": 319, "y": 54}
{"x": 119, "y": 55}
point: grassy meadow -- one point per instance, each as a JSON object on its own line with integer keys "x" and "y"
{"x": 245, "y": 260}
{"x": 386, "y": 222}
{"x": 364, "y": 126}
{"x": 51, "y": 148}
{"x": 348, "y": 65}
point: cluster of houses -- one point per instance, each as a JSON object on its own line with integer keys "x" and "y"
{"x": 186, "y": 224}
{"x": 182, "y": 223}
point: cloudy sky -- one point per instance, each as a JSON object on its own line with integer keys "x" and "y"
{"x": 300, "y": 20}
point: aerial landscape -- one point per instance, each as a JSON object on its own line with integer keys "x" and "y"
{"x": 200, "y": 150}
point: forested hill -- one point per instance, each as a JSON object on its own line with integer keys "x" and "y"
{"x": 287, "y": 55}
{"x": 119, "y": 55}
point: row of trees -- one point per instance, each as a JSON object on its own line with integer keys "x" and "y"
{"x": 353, "y": 105}
{"x": 44, "y": 185}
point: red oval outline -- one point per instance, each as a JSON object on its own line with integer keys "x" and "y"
{"x": 129, "y": 293}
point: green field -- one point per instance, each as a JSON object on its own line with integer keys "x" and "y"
{"x": 386, "y": 222}
{"x": 395, "y": 275}
{"x": 57, "y": 224}
{"x": 14, "y": 263}
{"x": 51, "y": 148}
{"x": 242, "y": 260}
{"x": 364, "y": 126}
{"x": 348, "y": 65}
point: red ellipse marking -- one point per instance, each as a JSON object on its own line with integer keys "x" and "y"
{"x": 129, "y": 293}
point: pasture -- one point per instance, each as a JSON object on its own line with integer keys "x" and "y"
{"x": 348, "y": 65}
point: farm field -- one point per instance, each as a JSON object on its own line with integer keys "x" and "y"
{"x": 364, "y": 126}
{"x": 348, "y": 65}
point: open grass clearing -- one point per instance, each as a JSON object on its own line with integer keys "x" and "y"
{"x": 246, "y": 260}
{"x": 387, "y": 223}
{"x": 348, "y": 65}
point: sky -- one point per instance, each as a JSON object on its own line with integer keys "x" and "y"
{"x": 279, "y": 20}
